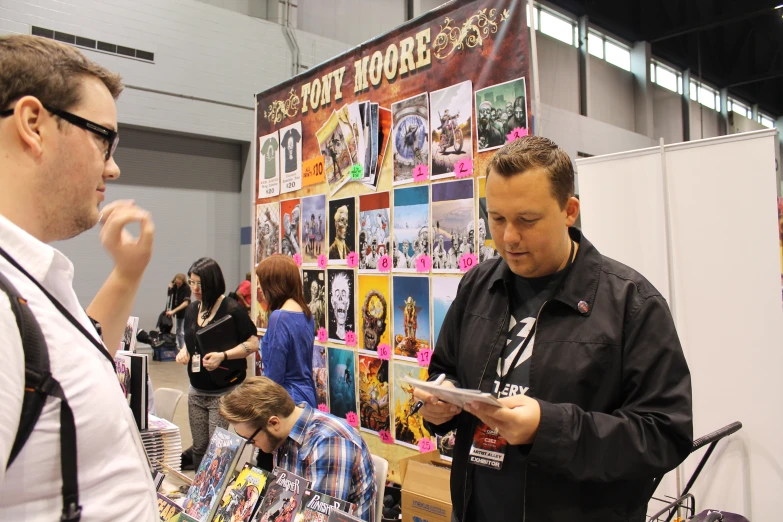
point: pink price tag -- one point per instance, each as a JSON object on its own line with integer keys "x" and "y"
{"x": 323, "y": 336}
{"x": 352, "y": 419}
{"x": 467, "y": 261}
{"x": 421, "y": 173}
{"x": 463, "y": 168}
{"x": 384, "y": 352}
{"x": 323, "y": 407}
{"x": 517, "y": 133}
{"x": 423, "y": 263}
{"x": 386, "y": 437}
{"x": 424, "y": 357}
{"x": 322, "y": 261}
{"x": 350, "y": 338}
{"x": 353, "y": 260}
{"x": 298, "y": 259}
{"x": 426, "y": 445}
{"x": 385, "y": 264}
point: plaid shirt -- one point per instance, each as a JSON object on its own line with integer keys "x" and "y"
{"x": 333, "y": 456}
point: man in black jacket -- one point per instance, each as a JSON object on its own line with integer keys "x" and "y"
{"x": 600, "y": 406}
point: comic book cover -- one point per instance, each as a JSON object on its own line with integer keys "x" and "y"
{"x": 486, "y": 245}
{"x": 344, "y": 120}
{"x": 122, "y": 366}
{"x": 321, "y": 376}
{"x": 242, "y": 496}
{"x": 267, "y": 230}
{"x": 290, "y": 234}
{"x": 373, "y": 298}
{"x": 342, "y": 382}
{"x": 371, "y": 153}
{"x": 411, "y": 315}
{"x": 444, "y": 291}
{"x": 337, "y": 158}
{"x": 373, "y": 394}
{"x": 411, "y": 236}
{"x": 339, "y": 516}
{"x": 283, "y": 497}
{"x": 313, "y": 229}
{"x": 451, "y": 117}
{"x": 374, "y": 230}
{"x": 316, "y": 507}
{"x": 341, "y": 309}
{"x": 384, "y": 132}
{"x": 213, "y": 475}
{"x": 128, "y": 342}
{"x": 314, "y": 287}
{"x": 445, "y": 444}
{"x": 500, "y": 109}
{"x": 453, "y": 232}
{"x": 168, "y": 510}
{"x": 408, "y": 429}
{"x": 410, "y": 137}
{"x": 342, "y": 229}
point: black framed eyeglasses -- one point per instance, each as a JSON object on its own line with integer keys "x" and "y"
{"x": 252, "y": 439}
{"x": 111, "y": 137}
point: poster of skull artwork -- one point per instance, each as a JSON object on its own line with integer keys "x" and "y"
{"x": 373, "y": 298}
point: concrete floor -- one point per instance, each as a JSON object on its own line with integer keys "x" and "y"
{"x": 173, "y": 375}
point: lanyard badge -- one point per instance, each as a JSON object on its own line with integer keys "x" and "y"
{"x": 196, "y": 360}
{"x": 488, "y": 448}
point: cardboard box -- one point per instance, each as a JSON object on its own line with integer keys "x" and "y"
{"x": 426, "y": 494}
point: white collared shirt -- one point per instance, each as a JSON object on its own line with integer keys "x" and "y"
{"x": 114, "y": 478}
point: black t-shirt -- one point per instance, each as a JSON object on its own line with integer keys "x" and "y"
{"x": 244, "y": 326}
{"x": 499, "y": 493}
{"x": 177, "y": 296}
{"x": 291, "y": 158}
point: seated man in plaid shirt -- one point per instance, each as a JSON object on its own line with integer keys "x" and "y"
{"x": 315, "y": 445}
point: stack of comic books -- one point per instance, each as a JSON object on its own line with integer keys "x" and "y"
{"x": 283, "y": 497}
{"x": 243, "y": 496}
{"x": 163, "y": 444}
{"x": 316, "y": 507}
{"x": 213, "y": 476}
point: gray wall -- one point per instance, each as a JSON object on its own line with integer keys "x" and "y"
{"x": 191, "y": 186}
{"x": 558, "y": 73}
{"x": 667, "y": 114}
{"x": 611, "y": 94}
{"x": 704, "y": 121}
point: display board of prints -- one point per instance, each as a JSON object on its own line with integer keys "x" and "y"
{"x": 370, "y": 173}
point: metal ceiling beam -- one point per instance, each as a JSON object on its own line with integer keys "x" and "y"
{"x": 717, "y": 22}
{"x": 756, "y": 78}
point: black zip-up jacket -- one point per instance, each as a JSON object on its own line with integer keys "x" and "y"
{"x": 609, "y": 374}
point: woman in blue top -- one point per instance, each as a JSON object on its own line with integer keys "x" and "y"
{"x": 287, "y": 346}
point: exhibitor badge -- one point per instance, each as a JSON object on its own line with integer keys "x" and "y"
{"x": 488, "y": 449}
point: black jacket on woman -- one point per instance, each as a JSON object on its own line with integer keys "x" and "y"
{"x": 610, "y": 377}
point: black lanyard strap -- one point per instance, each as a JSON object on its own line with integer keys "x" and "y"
{"x": 64, "y": 311}
{"x": 504, "y": 378}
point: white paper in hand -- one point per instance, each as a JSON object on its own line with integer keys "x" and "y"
{"x": 455, "y": 396}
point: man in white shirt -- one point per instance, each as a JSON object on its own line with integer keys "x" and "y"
{"x": 58, "y": 124}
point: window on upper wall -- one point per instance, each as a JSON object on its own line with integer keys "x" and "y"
{"x": 767, "y": 122}
{"x": 617, "y": 55}
{"x": 666, "y": 77}
{"x": 705, "y": 95}
{"x": 557, "y": 27}
{"x": 534, "y": 17}
{"x": 739, "y": 108}
{"x": 595, "y": 45}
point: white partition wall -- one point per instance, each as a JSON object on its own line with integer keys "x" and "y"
{"x": 725, "y": 276}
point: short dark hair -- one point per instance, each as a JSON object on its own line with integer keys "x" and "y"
{"x": 532, "y": 152}
{"x": 49, "y": 70}
{"x": 280, "y": 281}
{"x": 212, "y": 283}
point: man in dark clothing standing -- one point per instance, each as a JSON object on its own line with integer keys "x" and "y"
{"x": 580, "y": 350}
{"x": 179, "y": 299}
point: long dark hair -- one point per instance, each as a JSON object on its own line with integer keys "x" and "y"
{"x": 212, "y": 283}
{"x": 279, "y": 278}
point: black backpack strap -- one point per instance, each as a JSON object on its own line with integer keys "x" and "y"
{"x": 38, "y": 386}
